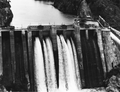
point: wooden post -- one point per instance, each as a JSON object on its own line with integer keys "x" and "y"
{"x": 25, "y": 56}
{"x": 1, "y": 60}
{"x": 100, "y": 44}
{"x": 79, "y": 54}
{"x": 12, "y": 47}
{"x": 30, "y": 61}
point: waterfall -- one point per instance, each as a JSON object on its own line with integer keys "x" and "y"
{"x": 66, "y": 59}
{"x": 47, "y": 65}
{"x": 68, "y": 64}
{"x": 39, "y": 67}
{"x": 45, "y": 75}
{"x": 62, "y": 81}
{"x": 51, "y": 72}
{"x": 71, "y": 66}
{"x": 77, "y": 72}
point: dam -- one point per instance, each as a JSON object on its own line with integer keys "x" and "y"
{"x": 59, "y": 58}
{"x": 56, "y": 57}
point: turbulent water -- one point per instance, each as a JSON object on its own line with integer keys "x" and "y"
{"x": 69, "y": 72}
{"x": 45, "y": 76}
{"x": 39, "y": 67}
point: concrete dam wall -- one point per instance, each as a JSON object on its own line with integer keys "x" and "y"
{"x": 56, "y": 58}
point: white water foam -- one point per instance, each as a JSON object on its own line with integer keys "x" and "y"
{"x": 52, "y": 86}
{"x": 77, "y": 72}
{"x": 72, "y": 66}
{"x": 69, "y": 75}
{"x": 62, "y": 81}
{"x": 69, "y": 65}
{"x": 39, "y": 67}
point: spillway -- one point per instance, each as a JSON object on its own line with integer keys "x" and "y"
{"x": 62, "y": 76}
{"x": 76, "y": 65}
{"x": 39, "y": 67}
{"x": 56, "y": 58}
{"x": 51, "y": 72}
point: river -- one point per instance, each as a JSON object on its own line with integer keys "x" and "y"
{"x": 31, "y": 12}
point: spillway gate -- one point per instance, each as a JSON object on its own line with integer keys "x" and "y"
{"x": 96, "y": 54}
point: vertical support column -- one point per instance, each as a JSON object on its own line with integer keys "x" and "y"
{"x": 30, "y": 61}
{"x": 108, "y": 49}
{"x": 100, "y": 44}
{"x": 79, "y": 54}
{"x": 1, "y": 60}
{"x": 25, "y": 56}
{"x": 12, "y": 48}
{"x": 55, "y": 51}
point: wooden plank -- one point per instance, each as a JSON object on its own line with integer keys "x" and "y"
{"x": 1, "y": 60}
{"x": 25, "y": 56}
{"x": 79, "y": 54}
{"x": 12, "y": 47}
{"x": 30, "y": 61}
{"x": 100, "y": 44}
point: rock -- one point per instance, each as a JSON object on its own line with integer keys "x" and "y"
{"x": 113, "y": 84}
{"x": 6, "y": 14}
{"x": 108, "y": 9}
{"x": 67, "y": 6}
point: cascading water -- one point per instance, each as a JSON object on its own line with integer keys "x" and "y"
{"x": 77, "y": 72}
{"x": 69, "y": 65}
{"x": 47, "y": 66}
{"x": 39, "y": 67}
{"x": 66, "y": 58}
{"x": 69, "y": 74}
{"x": 62, "y": 81}
{"x": 52, "y": 85}
{"x": 45, "y": 77}
{"x": 72, "y": 66}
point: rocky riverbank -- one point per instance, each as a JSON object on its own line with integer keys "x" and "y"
{"x": 6, "y": 14}
{"x": 108, "y": 9}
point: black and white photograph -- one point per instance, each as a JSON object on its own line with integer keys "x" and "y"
{"x": 59, "y": 45}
